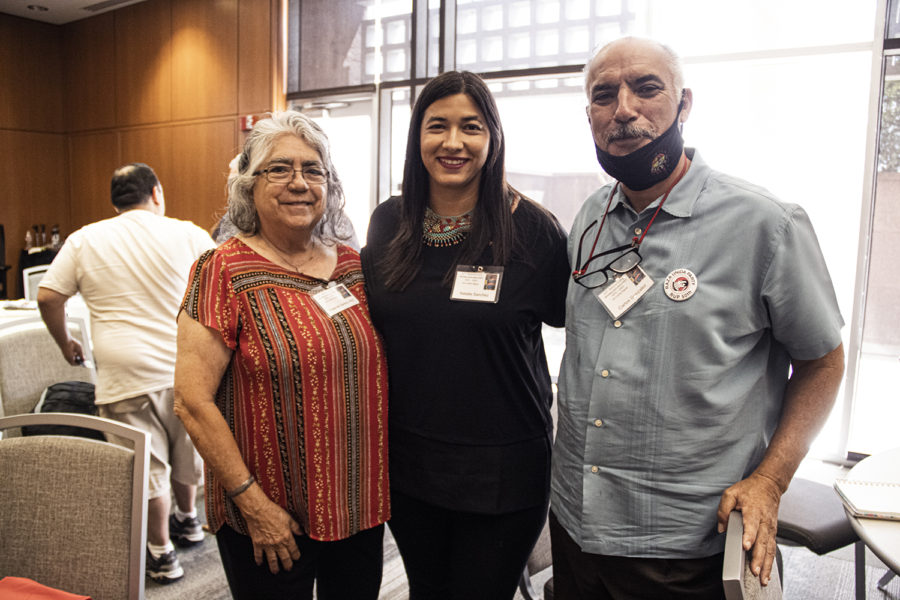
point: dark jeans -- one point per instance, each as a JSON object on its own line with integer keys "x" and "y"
{"x": 579, "y": 575}
{"x": 452, "y": 555}
{"x": 347, "y": 569}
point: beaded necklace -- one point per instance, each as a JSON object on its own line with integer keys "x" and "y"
{"x": 445, "y": 231}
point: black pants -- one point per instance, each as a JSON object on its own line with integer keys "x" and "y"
{"x": 579, "y": 575}
{"x": 347, "y": 569}
{"x": 451, "y": 555}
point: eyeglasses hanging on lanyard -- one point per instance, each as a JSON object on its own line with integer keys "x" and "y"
{"x": 624, "y": 258}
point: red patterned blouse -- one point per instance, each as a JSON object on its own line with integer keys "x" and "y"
{"x": 305, "y": 395}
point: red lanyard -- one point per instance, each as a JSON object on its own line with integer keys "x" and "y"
{"x": 636, "y": 241}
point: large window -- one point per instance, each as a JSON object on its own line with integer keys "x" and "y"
{"x": 875, "y": 409}
{"x": 782, "y": 97}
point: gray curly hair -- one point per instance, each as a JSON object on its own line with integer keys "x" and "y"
{"x": 257, "y": 148}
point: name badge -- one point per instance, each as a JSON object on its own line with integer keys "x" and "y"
{"x": 618, "y": 295}
{"x": 477, "y": 284}
{"x": 334, "y": 299}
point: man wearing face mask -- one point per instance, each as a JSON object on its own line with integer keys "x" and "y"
{"x": 703, "y": 351}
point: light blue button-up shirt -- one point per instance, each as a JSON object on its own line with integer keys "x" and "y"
{"x": 664, "y": 408}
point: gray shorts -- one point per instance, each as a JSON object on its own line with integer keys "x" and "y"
{"x": 172, "y": 454}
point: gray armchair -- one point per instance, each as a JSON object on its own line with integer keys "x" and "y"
{"x": 539, "y": 560}
{"x": 73, "y": 511}
{"x": 30, "y": 361}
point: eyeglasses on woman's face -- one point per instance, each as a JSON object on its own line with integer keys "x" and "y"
{"x": 312, "y": 174}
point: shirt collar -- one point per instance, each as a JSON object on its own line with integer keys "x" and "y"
{"x": 684, "y": 195}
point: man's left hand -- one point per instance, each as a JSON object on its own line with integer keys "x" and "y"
{"x": 73, "y": 352}
{"x": 757, "y": 497}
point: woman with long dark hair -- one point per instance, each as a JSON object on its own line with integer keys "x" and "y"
{"x": 462, "y": 270}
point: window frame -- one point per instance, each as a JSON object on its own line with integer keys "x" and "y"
{"x": 422, "y": 20}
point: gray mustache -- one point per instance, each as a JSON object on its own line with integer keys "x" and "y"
{"x": 629, "y": 131}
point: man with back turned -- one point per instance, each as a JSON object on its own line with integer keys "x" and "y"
{"x": 132, "y": 271}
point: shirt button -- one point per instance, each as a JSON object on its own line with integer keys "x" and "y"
{"x": 617, "y": 324}
{"x": 604, "y": 373}
{"x": 598, "y": 422}
{"x": 595, "y": 469}
{"x": 637, "y": 231}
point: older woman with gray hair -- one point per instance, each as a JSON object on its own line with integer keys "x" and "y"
{"x": 281, "y": 380}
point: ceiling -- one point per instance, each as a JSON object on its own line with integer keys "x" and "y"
{"x": 58, "y": 12}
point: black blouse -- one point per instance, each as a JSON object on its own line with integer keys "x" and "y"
{"x": 469, "y": 397}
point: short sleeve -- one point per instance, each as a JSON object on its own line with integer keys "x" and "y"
{"x": 799, "y": 294}
{"x": 201, "y": 239}
{"x": 62, "y": 276}
{"x": 382, "y": 223}
{"x": 210, "y": 298}
{"x": 557, "y": 277}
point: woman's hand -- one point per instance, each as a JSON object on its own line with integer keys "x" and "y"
{"x": 271, "y": 528}
{"x": 200, "y": 364}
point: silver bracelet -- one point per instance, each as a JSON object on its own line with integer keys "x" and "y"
{"x": 241, "y": 488}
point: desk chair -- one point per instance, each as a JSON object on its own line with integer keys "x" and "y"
{"x": 540, "y": 557}
{"x": 811, "y": 515}
{"x": 31, "y": 278}
{"x": 77, "y": 523}
{"x": 30, "y": 361}
{"x": 737, "y": 579}
{"x": 539, "y": 560}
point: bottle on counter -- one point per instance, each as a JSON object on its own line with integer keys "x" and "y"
{"x": 55, "y": 240}
{"x": 29, "y": 240}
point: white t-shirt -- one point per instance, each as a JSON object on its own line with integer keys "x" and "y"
{"x": 132, "y": 272}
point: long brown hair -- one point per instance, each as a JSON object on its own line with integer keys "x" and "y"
{"x": 491, "y": 217}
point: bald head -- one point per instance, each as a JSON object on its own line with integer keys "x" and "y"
{"x": 637, "y": 47}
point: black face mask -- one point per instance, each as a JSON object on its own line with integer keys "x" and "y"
{"x": 648, "y": 165}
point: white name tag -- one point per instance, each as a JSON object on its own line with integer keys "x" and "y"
{"x": 618, "y": 295}
{"x": 477, "y": 284}
{"x": 334, "y": 299}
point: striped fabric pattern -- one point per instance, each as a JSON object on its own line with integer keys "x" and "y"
{"x": 305, "y": 395}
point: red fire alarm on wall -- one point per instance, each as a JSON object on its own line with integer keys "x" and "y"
{"x": 247, "y": 121}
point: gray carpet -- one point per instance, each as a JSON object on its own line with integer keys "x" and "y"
{"x": 806, "y": 576}
{"x": 203, "y": 579}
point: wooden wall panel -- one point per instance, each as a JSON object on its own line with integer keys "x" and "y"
{"x": 90, "y": 73}
{"x": 7, "y": 69}
{"x": 152, "y": 146}
{"x": 131, "y": 85}
{"x": 198, "y": 189}
{"x": 143, "y": 60}
{"x": 259, "y": 83}
{"x": 30, "y": 72}
{"x": 204, "y": 58}
{"x": 92, "y": 160}
{"x": 33, "y": 188}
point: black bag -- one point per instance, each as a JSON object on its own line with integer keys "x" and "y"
{"x": 68, "y": 397}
